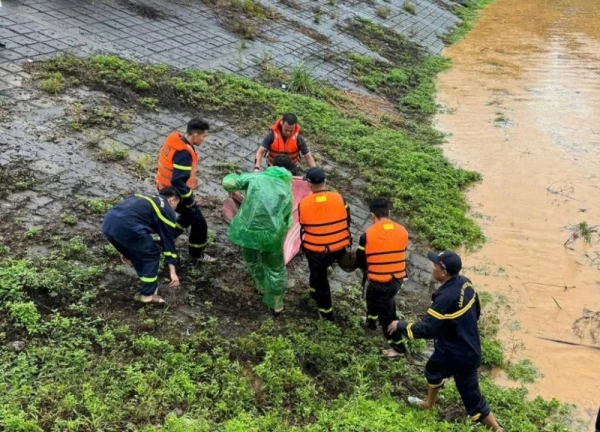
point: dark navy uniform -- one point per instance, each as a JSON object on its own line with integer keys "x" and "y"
{"x": 128, "y": 227}
{"x": 452, "y": 322}
{"x": 189, "y": 212}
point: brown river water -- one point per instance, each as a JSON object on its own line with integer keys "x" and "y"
{"x": 522, "y": 107}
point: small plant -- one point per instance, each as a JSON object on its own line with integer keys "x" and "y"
{"x": 409, "y": 7}
{"x": 54, "y": 84}
{"x": 317, "y": 14}
{"x": 93, "y": 138}
{"x": 70, "y": 220}
{"x": 33, "y": 232}
{"x": 100, "y": 206}
{"x": 113, "y": 153}
{"x": 586, "y": 231}
{"x": 110, "y": 250}
{"x": 142, "y": 164}
{"x": 301, "y": 80}
{"x": 149, "y": 102}
{"x": 75, "y": 125}
{"x": 125, "y": 117}
{"x": 383, "y": 12}
{"x": 4, "y": 250}
{"x": 75, "y": 248}
{"x": 524, "y": 371}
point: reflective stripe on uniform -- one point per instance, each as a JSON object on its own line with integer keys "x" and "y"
{"x": 149, "y": 279}
{"x": 409, "y": 331}
{"x": 454, "y": 315}
{"x": 170, "y": 254}
{"x": 187, "y": 195}
{"x": 373, "y": 317}
{"x": 158, "y": 212}
{"x": 198, "y": 245}
{"x": 182, "y": 167}
{"x": 326, "y": 310}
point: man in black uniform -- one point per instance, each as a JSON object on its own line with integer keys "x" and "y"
{"x": 452, "y": 322}
{"x": 129, "y": 226}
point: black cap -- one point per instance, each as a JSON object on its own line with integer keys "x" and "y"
{"x": 315, "y": 175}
{"x": 448, "y": 260}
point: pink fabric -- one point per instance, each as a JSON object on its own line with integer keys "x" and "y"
{"x": 291, "y": 246}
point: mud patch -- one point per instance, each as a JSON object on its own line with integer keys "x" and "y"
{"x": 144, "y": 10}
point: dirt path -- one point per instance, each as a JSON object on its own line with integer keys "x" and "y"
{"x": 523, "y": 110}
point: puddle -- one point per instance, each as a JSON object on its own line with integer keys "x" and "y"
{"x": 522, "y": 108}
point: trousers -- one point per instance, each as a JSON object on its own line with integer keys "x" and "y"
{"x": 144, "y": 254}
{"x": 269, "y": 273}
{"x": 320, "y": 291}
{"x": 381, "y": 306}
{"x": 191, "y": 216}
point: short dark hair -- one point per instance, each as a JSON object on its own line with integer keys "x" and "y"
{"x": 170, "y": 192}
{"x": 380, "y": 207}
{"x": 290, "y": 119}
{"x": 197, "y": 125}
{"x": 283, "y": 161}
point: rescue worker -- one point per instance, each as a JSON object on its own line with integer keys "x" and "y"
{"x": 325, "y": 232}
{"x": 129, "y": 226}
{"x": 381, "y": 254}
{"x": 451, "y": 321}
{"x": 261, "y": 225}
{"x": 177, "y": 166}
{"x": 284, "y": 138}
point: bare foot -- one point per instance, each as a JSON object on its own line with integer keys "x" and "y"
{"x": 391, "y": 353}
{"x": 125, "y": 261}
{"x": 152, "y": 299}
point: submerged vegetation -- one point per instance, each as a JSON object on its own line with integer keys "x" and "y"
{"x": 405, "y": 165}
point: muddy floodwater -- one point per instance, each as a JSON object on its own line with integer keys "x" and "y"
{"x": 522, "y": 107}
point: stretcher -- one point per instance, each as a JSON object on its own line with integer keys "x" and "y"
{"x": 291, "y": 246}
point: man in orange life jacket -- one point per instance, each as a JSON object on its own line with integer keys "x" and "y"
{"x": 325, "y": 231}
{"x": 177, "y": 165}
{"x": 382, "y": 255}
{"x": 284, "y": 138}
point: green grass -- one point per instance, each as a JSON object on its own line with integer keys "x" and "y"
{"x": 81, "y": 371}
{"x": 407, "y": 166}
{"x": 409, "y": 81}
{"x": 468, "y": 12}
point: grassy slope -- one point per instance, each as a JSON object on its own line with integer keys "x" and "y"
{"x": 405, "y": 165}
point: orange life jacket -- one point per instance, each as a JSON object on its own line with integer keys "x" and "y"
{"x": 386, "y": 251}
{"x": 172, "y": 145}
{"x": 288, "y": 147}
{"x": 324, "y": 222}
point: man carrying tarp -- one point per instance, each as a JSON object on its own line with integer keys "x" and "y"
{"x": 284, "y": 138}
{"x": 451, "y": 321}
{"x": 325, "y": 233}
{"x": 129, "y": 226}
{"x": 177, "y": 165}
{"x": 261, "y": 225}
{"x": 382, "y": 255}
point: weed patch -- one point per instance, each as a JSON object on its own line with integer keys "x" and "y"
{"x": 409, "y": 7}
{"x": 242, "y": 17}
